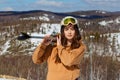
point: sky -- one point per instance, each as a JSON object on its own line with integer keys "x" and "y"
{"x": 59, "y": 5}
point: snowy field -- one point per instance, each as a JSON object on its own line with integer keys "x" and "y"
{"x": 7, "y": 79}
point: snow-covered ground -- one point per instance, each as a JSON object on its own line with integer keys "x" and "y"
{"x": 48, "y": 28}
{"x": 11, "y": 79}
{"x": 5, "y": 47}
{"x": 113, "y": 46}
{"x": 6, "y": 79}
{"x": 42, "y": 18}
{"x": 105, "y": 23}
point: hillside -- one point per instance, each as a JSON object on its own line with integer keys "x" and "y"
{"x": 42, "y": 22}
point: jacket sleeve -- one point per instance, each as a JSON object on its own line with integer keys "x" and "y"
{"x": 40, "y": 54}
{"x": 73, "y": 57}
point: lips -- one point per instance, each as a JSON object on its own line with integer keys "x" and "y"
{"x": 69, "y": 35}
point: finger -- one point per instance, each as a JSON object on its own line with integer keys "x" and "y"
{"x": 45, "y": 39}
{"x": 58, "y": 40}
{"x": 59, "y": 37}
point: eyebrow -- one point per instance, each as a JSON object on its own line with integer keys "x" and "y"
{"x": 69, "y": 27}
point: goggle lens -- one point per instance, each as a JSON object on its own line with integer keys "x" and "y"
{"x": 69, "y": 20}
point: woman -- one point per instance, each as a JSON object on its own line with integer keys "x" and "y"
{"x": 63, "y": 58}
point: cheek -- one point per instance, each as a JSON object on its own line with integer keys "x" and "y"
{"x": 73, "y": 33}
{"x": 65, "y": 33}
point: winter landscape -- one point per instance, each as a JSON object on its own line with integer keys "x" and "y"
{"x": 100, "y": 32}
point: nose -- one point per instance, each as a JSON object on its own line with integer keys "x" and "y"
{"x": 69, "y": 31}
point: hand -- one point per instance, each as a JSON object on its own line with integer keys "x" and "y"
{"x": 59, "y": 40}
{"x": 47, "y": 40}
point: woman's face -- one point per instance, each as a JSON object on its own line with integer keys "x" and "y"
{"x": 69, "y": 32}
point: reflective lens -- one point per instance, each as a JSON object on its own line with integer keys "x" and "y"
{"x": 69, "y": 20}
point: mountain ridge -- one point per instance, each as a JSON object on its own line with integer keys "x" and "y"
{"x": 6, "y": 16}
{"x": 35, "y": 11}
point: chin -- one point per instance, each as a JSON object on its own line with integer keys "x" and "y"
{"x": 69, "y": 38}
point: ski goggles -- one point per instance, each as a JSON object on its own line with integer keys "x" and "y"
{"x": 69, "y": 20}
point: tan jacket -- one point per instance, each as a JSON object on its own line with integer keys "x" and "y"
{"x": 68, "y": 69}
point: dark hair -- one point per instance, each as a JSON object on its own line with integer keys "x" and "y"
{"x": 76, "y": 39}
{"x": 75, "y": 42}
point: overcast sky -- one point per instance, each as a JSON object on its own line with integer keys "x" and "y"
{"x": 59, "y": 5}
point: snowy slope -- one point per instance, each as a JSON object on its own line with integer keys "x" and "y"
{"x": 6, "y": 79}
{"x": 105, "y": 23}
{"x": 47, "y": 29}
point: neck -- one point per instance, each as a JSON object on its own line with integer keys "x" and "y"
{"x": 69, "y": 42}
